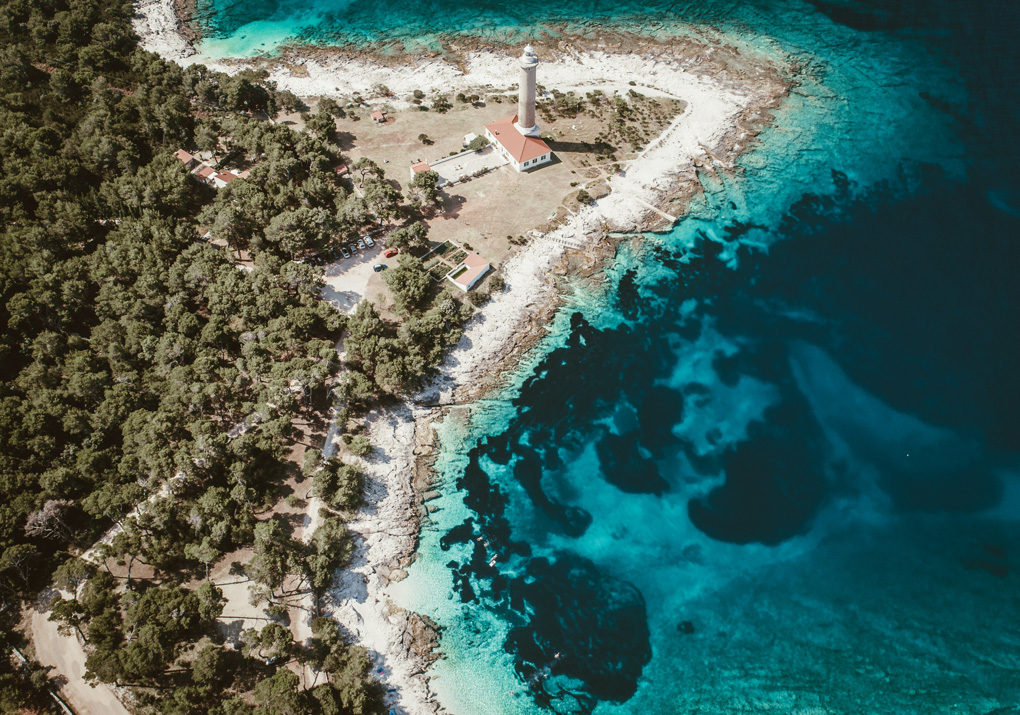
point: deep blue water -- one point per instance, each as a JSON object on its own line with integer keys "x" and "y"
{"x": 771, "y": 464}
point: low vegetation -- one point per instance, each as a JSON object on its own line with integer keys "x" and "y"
{"x": 631, "y": 121}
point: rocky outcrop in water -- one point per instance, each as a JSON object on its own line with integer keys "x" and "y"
{"x": 586, "y": 638}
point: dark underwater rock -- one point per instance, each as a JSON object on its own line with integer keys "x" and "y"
{"x": 775, "y": 480}
{"x": 584, "y": 627}
{"x": 660, "y": 409}
{"x": 572, "y": 520}
{"x": 625, "y": 468}
{"x": 459, "y": 534}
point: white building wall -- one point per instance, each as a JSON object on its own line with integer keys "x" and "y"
{"x": 518, "y": 166}
{"x": 544, "y": 159}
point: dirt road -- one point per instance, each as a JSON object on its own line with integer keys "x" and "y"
{"x": 67, "y": 657}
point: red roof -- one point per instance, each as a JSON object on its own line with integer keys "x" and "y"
{"x": 184, "y": 156}
{"x": 379, "y": 116}
{"x": 205, "y": 172}
{"x": 340, "y": 169}
{"x": 225, "y": 176}
{"x": 518, "y": 146}
{"x": 476, "y": 267}
{"x": 420, "y": 166}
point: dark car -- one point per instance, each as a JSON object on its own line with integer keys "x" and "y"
{"x": 379, "y": 267}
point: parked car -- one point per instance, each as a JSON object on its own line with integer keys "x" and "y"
{"x": 361, "y": 244}
{"x": 344, "y": 252}
{"x": 369, "y": 242}
{"x": 390, "y": 253}
{"x": 352, "y": 248}
{"x": 379, "y": 267}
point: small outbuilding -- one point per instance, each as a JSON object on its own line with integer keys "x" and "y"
{"x": 223, "y": 178}
{"x": 469, "y": 272}
{"x": 418, "y": 167}
{"x": 205, "y": 173}
{"x": 187, "y": 159}
{"x": 379, "y": 116}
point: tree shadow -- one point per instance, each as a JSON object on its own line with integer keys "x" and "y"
{"x": 346, "y": 140}
{"x": 566, "y": 147}
{"x": 450, "y": 206}
{"x": 291, "y": 520}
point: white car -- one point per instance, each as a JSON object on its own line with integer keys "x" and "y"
{"x": 361, "y": 244}
{"x": 369, "y": 242}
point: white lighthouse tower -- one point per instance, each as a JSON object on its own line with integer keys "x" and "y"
{"x": 517, "y": 137}
{"x": 526, "y": 123}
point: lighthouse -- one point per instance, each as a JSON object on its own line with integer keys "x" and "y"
{"x": 517, "y": 137}
{"x": 526, "y": 123}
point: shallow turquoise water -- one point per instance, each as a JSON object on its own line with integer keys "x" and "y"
{"x": 772, "y": 465}
{"x": 237, "y": 29}
{"x": 868, "y": 602}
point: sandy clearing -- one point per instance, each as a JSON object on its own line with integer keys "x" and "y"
{"x": 66, "y": 655}
{"x": 348, "y": 280}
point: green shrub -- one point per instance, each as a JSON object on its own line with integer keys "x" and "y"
{"x": 360, "y": 446}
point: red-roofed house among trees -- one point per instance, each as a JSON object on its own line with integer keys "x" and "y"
{"x": 189, "y": 161}
{"x": 205, "y": 173}
{"x": 223, "y": 178}
{"x": 516, "y": 137}
{"x": 419, "y": 167}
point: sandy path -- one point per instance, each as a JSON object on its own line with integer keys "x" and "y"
{"x": 67, "y": 657}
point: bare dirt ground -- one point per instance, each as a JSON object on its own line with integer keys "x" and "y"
{"x": 67, "y": 657}
{"x": 348, "y": 280}
{"x": 485, "y": 211}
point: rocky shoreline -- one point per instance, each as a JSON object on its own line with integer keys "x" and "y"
{"x": 415, "y": 639}
{"x": 458, "y": 386}
{"x": 729, "y": 99}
